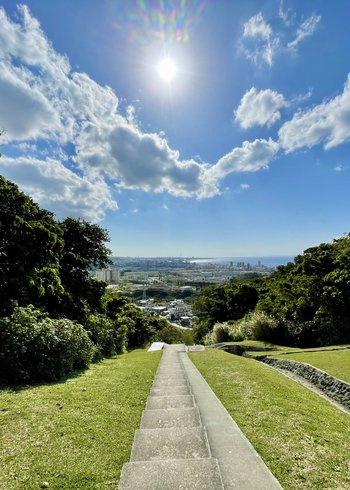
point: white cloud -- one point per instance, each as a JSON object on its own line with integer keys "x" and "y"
{"x": 259, "y": 108}
{"x": 306, "y": 29}
{"x": 287, "y": 16}
{"x": 25, "y": 111}
{"x": 58, "y": 106}
{"x": 340, "y": 168}
{"x": 250, "y": 157}
{"x": 244, "y": 186}
{"x": 137, "y": 160}
{"x": 257, "y": 27}
{"x": 53, "y": 185}
{"x": 327, "y": 123}
{"x": 261, "y": 43}
{"x": 258, "y": 40}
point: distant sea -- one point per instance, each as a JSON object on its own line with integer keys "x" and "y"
{"x": 272, "y": 261}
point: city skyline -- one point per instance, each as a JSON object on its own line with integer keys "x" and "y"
{"x": 186, "y": 129}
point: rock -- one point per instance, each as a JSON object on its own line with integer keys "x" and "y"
{"x": 335, "y": 388}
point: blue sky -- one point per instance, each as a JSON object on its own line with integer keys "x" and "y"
{"x": 244, "y": 152}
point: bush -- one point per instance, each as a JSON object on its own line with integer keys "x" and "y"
{"x": 108, "y": 335}
{"x": 34, "y": 347}
{"x": 221, "y": 332}
{"x": 258, "y": 325}
{"x": 200, "y": 330}
{"x": 173, "y": 335}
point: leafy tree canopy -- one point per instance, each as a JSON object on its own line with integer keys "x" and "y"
{"x": 45, "y": 262}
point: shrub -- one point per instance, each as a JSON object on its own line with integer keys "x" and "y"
{"x": 34, "y": 347}
{"x": 174, "y": 335}
{"x": 258, "y": 325}
{"x": 221, "y": 332}
{"x": 108, "y": 335}
{"x": 200, "y": 330}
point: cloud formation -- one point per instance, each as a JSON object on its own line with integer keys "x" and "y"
{"x": 257, "y": 27}
{"x": 250, "y": 157}
{"x": 51, "y": 183}
{"x": 46, "y": 106}
{"x": 258, "y": 40}
{"x": 306, "y": 29}
{"x": 259, "y": 108}
{"x": 261, "y": 44}
{"x": 327, "y": 123}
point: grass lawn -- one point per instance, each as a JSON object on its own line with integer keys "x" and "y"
{"x": 303, "y": 439}
{"x": 76, "y": 434}
{"x": 335, "y": 363}
{"x": 286, "y": 350}
{"x": 257, "y": 343}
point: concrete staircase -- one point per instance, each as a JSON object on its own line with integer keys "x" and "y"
{"x": 187, "y": 440}
{"x": 171, "y": 449}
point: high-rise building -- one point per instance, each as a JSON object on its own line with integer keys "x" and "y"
{"x": 108, "y": 275}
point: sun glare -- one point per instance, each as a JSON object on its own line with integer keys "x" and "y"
{"x": 167, "y": 69}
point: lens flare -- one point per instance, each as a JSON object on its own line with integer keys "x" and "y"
{"x": 167, "y": 69}
{"x": 170, "y": 21}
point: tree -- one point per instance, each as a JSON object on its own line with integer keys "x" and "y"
{"x": 30, "y": 244}
{"x": 84, "y": 248}
{"x": 223, "y": 303}
{"x": 312, "y": 295}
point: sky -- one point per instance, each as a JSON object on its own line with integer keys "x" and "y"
{"x": 237, "y": 145}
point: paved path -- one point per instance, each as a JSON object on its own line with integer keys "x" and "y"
{"x": 187, "y": 440}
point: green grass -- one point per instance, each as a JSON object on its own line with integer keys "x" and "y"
{"x": 76, "y": 434}
{"x": 256, "y": 343}
{"x": 335, "y": 363}
{"x": 303, "y": 439}
{"x": 287, "y": 350}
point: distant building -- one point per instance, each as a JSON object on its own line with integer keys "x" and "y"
{"x": 108, "y": 275}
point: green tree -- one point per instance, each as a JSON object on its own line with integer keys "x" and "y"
{"x": 30, "y": 244}
{"x": 312, "y": 295}
{"x": 223, "y": 303}
{"x": 84, "y": 248}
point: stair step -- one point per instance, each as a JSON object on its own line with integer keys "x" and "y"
{"x": 170, "y": 372}
{"x": 188, "y": 474}
{"x": 177, "y": 401}
{"x": 165, "y": 383}
{"x": 171, "y": 390}
{"x": 174, "y": 443}
{"x": 170, "y": 375}
{"x": 171, "y": 365}
{"x": 172, "y": 417}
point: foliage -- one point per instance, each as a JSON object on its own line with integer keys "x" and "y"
{"x": 305, "y": 303}
{"x": 221, "y": 333}
{"x": 30, "y": 244}
{"x": 45, "y": 262}
{"x": 34, "y": 347}
{"x": 222, "y": 303}
{"x": 109, "y": 336}
{"x": 228, "y": 302}
{"x": 312, "y": 295}
{"x": 258, "y": 325}
{"x": 201, "y": 329}
{"x": 83, "y": 248}
{"x": 173, "y": 335}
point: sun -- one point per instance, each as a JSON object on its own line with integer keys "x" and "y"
{"x": 167, "y": 69}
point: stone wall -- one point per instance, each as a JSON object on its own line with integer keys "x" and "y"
{"x": 334, "y": 388}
